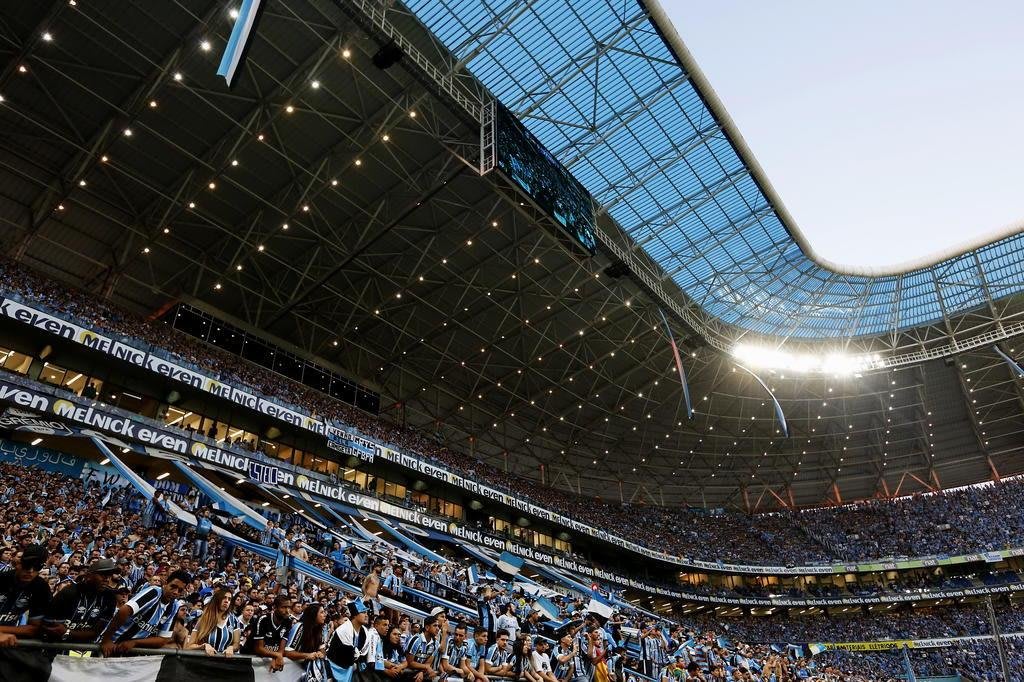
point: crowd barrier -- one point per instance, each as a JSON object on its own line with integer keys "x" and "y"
{"x": 38, "y": 661}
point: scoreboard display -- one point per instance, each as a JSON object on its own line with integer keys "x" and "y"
{"x": 523, "y": 159}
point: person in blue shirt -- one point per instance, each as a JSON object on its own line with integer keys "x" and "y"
{"x": 203, "y": 529}
{"x": 147, "y": 619}
{"x": 341, "y": 560}
{"x": 499, "y": 657}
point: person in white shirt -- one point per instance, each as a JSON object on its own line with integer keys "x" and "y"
{"x": 540, "y": 660}
{"x": 508, "y": 622}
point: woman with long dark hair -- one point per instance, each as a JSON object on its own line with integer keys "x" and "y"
{"x": 215, "y": 632}
{"x": 306, "y": 642}
{"x": 522, "y": 661}
{"x": 394, "y": 655}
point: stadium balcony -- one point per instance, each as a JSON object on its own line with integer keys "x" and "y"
{"x": 792, "y": 535}
{"x": 491, "y": 309}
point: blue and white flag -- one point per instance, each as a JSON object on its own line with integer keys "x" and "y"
{"x": 472, "y": 575}
{"x": 546, "y": 608}
{"x": 600, "y": 608}
{"x": 238, "y": 43}
{"x": 509, "y": 564}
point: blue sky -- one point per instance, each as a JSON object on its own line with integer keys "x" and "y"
{"x": 890, "y": 130}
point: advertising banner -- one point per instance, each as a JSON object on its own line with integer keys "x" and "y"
{"x": 348, "y": 441}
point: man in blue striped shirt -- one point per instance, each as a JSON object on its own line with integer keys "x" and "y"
{"x": 499, "y": 656}
{"x": 147, "y": 619}
{"x": 423, "y": 650}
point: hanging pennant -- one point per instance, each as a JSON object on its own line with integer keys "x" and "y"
{"x": 1017, "y": 369}
{"x": 679, "y": 364}
{"x": 778, "y": 408}
{"x": 234, "y": 53}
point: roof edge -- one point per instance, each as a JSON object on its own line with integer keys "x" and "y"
{"x": 675, "y": 43}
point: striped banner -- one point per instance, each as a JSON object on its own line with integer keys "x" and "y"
{"x": 239, "y": 40}
{"x": 679, "y": 364}
{"x": 778, "y": 407}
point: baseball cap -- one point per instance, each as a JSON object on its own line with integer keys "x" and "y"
{"x": 34, "y": 556}
{"x": 356, "y": 607}
{"x": 436, "y": 611}
{"x": 103, "y": 566}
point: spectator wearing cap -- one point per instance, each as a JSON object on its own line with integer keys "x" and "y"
{"x": 540, "y": 660}
{"x": 80, "y": 610}
{"x": 443, "y": 632}
{"x": 24, "y": 597}
{"x": 347, "y": 649}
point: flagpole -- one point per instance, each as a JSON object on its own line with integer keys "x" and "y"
{"x": 998, "y": 637}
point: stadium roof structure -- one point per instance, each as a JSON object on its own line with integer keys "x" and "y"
{"x": 610, "y": 89}
{"x": 339, "y": 208}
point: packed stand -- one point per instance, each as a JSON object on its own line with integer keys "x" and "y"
{"x": 960, "y": 620}
{"x": 977, "y": 661}
{"x": 977, "y": 519}
{"x": 84, "y": 564}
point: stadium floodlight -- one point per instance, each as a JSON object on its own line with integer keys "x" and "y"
{"x": 833, "y": 363}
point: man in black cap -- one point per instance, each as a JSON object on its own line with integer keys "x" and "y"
{"x": 23, "y": 593}
{"x": 80, "y": 611}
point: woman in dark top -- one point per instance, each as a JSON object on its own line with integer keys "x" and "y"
{"x": 306, "y": 642}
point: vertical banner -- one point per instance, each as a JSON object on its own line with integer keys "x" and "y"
{"x": 778, "y": 408}
{"x": 238, "y": 43}
{"x": 1013, "y": 365}
{"x": 679, "y": 364}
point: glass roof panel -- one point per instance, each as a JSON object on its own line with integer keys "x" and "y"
{"x": 597, "y": 84}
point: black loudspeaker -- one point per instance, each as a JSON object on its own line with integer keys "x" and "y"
{"x": 387, "y": 56}
{"x": 616, "y": 270}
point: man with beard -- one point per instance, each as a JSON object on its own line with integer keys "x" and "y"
{"x": 80, "y": 610}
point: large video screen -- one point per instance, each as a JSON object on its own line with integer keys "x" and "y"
{"x": 525, "y": 161}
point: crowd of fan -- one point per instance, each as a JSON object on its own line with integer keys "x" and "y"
{"x": 965, "y": 521}
{"x": 84, "y": 564}
{"x": 960, "y": 620}
{"x": 978, "y": 661}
